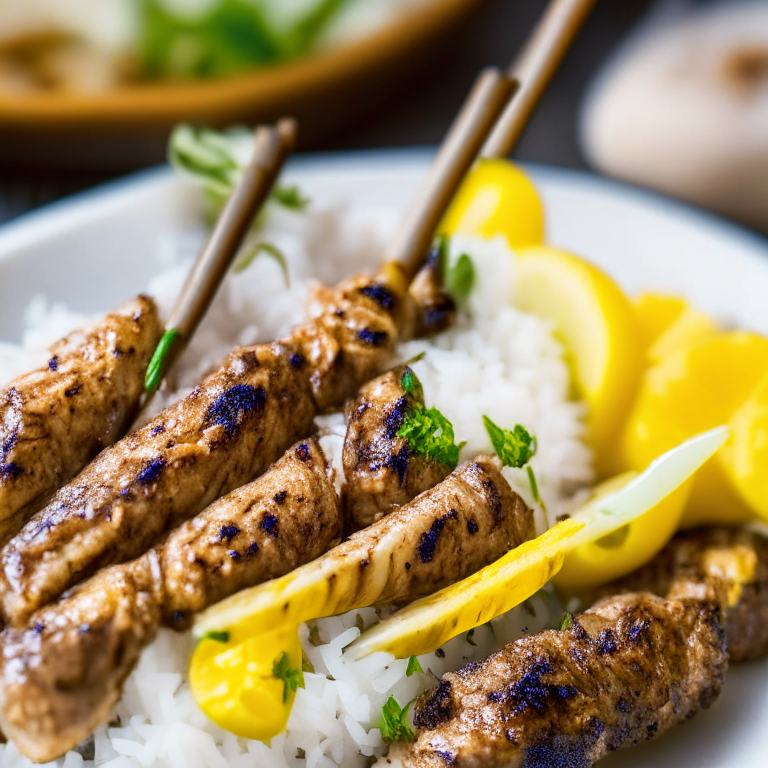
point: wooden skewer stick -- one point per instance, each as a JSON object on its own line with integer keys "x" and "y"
{"x": 413, "y": 237}
{"x": 534, "y": 67}
{"x": 272, "y": 146}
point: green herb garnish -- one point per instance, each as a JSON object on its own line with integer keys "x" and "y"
{"x": 292, "y": 679}
{"x": 393, "y": 725}
{"x": 215, "y": 161}
{"x": 290, "y": 197}
{"x": 225, "y": 37}
{"x": 157, "y": 365}
{"x": 459, "y": 276}
{"x": 413, "y": 666}
{"x": 430, "y": 435}
{"x": 411, "y": 385}
{"x": 514, "y": 447}
{"x": 567, "y": 621}
{"x": 247, "y": 257}
{"x": 219, "y": 637}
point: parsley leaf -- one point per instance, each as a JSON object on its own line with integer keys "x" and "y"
{"x": 567, "y": 621}
{"x": 292, "y": 679}
{"x": 157, "y": 365}
{"x": 411, "y": 385}
{"x": 413, "y": 666}
{"x": 219, "y": 637}
{"x": 514, "y": 447}
{"x": 430, "y": 434}
{"x": 393, "y": 725}
{"x": 214, "y": 160}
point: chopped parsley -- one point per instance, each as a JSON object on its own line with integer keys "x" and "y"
{"x": 219, "y": 637}
{"x": 567, "y": 621}
{"x": 292, "y": 679}
{"x": 393, "y": 722}
{"x": 515, "y": 447}
{"x": 458, "y": 276}
{"x": 157, "y": 365}
{"x": 430, "y": 435}
{"x": 413, "y": 666}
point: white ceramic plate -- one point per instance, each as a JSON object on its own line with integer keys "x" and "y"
{"x": 99, "y": 248}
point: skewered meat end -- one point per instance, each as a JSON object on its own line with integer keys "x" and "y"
{"x": 382, "y": 471}
{"x": 62, "y": 675}
{"x": 707, "y": 557}
{"x": 626, "y": 670}
{"x": 435, "y": 309}
{"x": 219, "y": 437}
{"x": 53, "y": 421}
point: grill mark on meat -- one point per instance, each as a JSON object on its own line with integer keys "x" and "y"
{"x": 560, "y": 697}
{"x": 428, "y": 542}
{"x": 62, "y": 675}
{"x": 230, "y": 408}
{"x": 42, "y": 433}
{"x": 683, "y": 565}
{"x": 382, "y": 471}
{"x": 151, "y": 472}
{"x": 380, "y": 294}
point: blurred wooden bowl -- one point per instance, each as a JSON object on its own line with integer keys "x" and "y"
{"x": 128, "y": 125}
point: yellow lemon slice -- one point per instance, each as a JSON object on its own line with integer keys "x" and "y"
{"x": 497, "y": 198}
{"x": 426, "y": 624}
{"x": 745, "y": 458}
{"x": 687, "y": 392}
{"x": 656, "y": 312}
{"x": 669, "y": 323}
{"x": 248, "y": 688}
{"x": 627, "y": 548}
{"x": 599, "y": 328}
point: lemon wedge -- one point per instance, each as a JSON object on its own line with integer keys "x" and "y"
{"x": 599, "y": 328}
{"x": 426, "y": 624}
{"x": 689, "y": 391}
{"x": 497, "y": 198}
{"x": 627, "y": 548}
{"x": 248, "y": 688}
{"x": 745, "y": 458}
{"x": 669, "y": 324}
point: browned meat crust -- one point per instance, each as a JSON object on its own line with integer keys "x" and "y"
{"x": 445, "y": 534}
{"x": 696, "y": 557}
{"x": 62, "y": 676}
{"x": 221, "y": 436}
{"x": 627, "y": 670}
{"x": 353, "y": 334}
{"x": 53, "y": 421}
{"x": 435, "y": 309}
{"x": 382, "y": 471}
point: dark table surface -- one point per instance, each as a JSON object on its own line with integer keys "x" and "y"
{"x": 425, "y": 106}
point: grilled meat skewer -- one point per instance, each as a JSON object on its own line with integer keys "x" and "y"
{"x": 626, "y": 670}
{"x": 54, "y": 420}
{"x": 222, "y": 435}
{"x": 62, "y": 675}
{"x": 381, "y": 469}
{"x": 706, "y": 556}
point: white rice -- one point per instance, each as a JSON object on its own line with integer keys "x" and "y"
{"x": 496, "y": 361}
